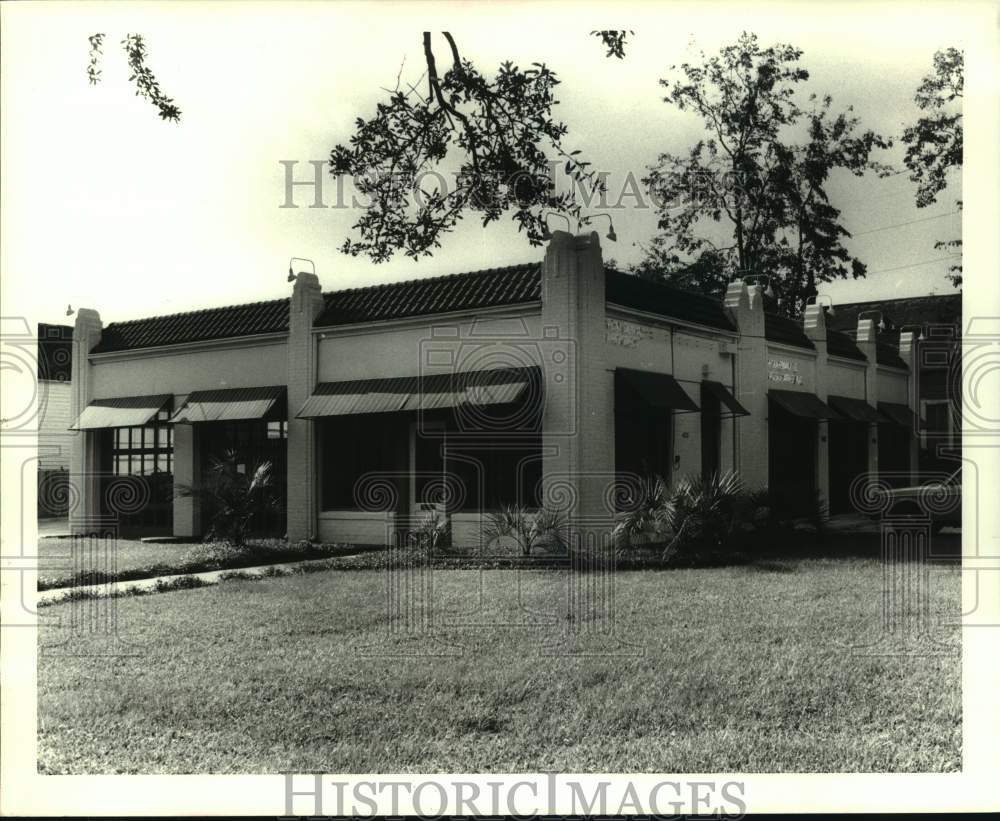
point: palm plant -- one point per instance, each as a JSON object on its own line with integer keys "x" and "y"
{"x": 698, "y": 514}
{"x": 649, "y": 514}
{"x": 528, "y": 529}
{"x": 432, "y": 531}
{"x": 237, "y": 498}
{"x": 705, "y": 512}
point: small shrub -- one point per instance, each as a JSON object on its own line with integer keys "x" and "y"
{"x": 529, "y": 530}
{"x": 179, "y": 583}
{"x": 700, "y": 519}
{"x": 648, "y": 520}
{"x": 432, "y": 532}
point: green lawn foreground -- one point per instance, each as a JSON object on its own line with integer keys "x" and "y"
{"x": 57, "y": 560}
{"x": 742, "y": 669}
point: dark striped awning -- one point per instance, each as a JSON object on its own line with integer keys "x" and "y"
{"x": 228, "y": 404}
{"x": 856, "y": 410}
{"x": 498, "y": 386}
{"x": 898, "y": 414}
{"x": 122, "y": 412}
{"x": 801, "y": 403}
{"x": 724, "y": 396}
{"x": 657, "y": 390}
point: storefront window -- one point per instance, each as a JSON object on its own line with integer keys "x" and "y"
{"x": 643, "y": 434}
{"x": 495, "y": 475}
{"x": 353, "y": 446}
{"x": 477, "y": 472}
{"x": 144, "y": 451}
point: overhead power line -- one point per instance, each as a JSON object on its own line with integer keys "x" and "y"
{"x": 901, "y": 224}
{"x": 951, "y": 257}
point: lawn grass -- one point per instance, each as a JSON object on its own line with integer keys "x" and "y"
{"x": 59, "y": 559}
{"x": 740, "y": 669}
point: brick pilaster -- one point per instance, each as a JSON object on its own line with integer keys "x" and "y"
{"x": 578, "y": 424}
{"x": 306, "y": 303}
{"x": 746, "y": 308}
{"x": 909, "y": 352}
{"x": 83, "y": 455}
{"x": 868, "y": 345}
{"x": 814, "y": 325}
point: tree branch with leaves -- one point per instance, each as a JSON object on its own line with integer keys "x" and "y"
{"x": 614, "y": 41}
{"x": 142, "y": 77}
{"x": 499, "y": 134}
{"x": 934, "y": 143}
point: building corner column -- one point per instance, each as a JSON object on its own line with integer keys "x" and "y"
{"x": 187, "y": 474}
{"x": 302, "y": 511}
{"x": 814, "y": 325}
{"x": 745, "y": 306}
{"x": 578, "y": 422}
{"x": 868, "y": 345}
{"x": 84, "y": 475}
{"x": 909, "y": 352}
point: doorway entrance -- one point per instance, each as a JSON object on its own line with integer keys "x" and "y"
{"x": 848, "y": 460}
{"x": 791, "y": 461}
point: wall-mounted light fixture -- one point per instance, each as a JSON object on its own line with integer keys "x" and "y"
{"x": 824, "y": 301}
{"x": 547, "y": 234}
{"x": 876, "y": 317}
{"x": 291, "y": 274}
{"x": 611, "y": 235}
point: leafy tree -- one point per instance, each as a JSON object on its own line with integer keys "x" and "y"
{"x": 809, "y": 248}
{"x": 707, "y": 273}
{"x": 146, "y": 85}
{"x": 499, "y": 131}
{"x": 934, "y": 142}
{"x": 756, "y": 173}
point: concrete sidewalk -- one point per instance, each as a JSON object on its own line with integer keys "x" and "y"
{"x": 53, "y": 528}
{"x": 207, "y": 578}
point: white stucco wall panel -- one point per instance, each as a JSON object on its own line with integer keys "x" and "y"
{"x": 181, "y": 372}
{"x": 893, "y": 386}
{"x": 356, "y": 527}
{"x": 439, "y": 347}
{"x": 843, "y": 379}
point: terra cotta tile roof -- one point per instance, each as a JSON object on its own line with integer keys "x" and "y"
{"x": 779, "y": 328}
{"x": 493, "y": 287}
{"x": 511, "y": 285}
{"x": 653, "y": 297}
{"x": 933, "y": 309}
{"x": 886, "y": 354}
{"x": 840, "y": 344}
{"x": 196, "y": 326}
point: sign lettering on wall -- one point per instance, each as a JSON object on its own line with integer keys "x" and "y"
{"x": 783, "y": 370}
{"x": 620, "y": 332}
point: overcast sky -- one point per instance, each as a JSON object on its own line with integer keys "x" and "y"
{"x": 107, "y": 206}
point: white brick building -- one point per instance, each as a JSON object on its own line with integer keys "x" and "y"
{"x": 547, "y": 383}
